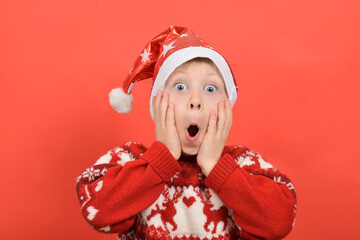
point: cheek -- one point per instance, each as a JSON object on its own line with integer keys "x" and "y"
{"x": 179, "y": 113}
{"x": 212, "y": 105}
{"x": 176, "y": 99}
{"x": 213, "y": 102}
{"x": 179, "y": 119}
{"x": 172, "y": 98}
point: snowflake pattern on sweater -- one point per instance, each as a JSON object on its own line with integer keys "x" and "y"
{"x": 144, "y": 193}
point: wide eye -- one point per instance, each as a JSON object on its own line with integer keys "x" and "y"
{"x": 180, "y": 87}
{"x": 210, "y": 88}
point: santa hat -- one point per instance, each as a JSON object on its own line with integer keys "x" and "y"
{"x": 160, "y": 57}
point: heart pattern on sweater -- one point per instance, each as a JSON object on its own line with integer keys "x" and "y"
{"x": 189, "y": 201}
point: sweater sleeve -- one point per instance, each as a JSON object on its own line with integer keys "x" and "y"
{"x": 262, "y": 199}
{"x": 122, "y": 183}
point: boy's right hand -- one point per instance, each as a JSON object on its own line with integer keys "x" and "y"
{"x": 164, "y": 118}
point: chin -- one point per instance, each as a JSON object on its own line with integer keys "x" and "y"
{"x": 190, "y": 151}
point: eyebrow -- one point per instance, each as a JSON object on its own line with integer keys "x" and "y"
{"x": 207, "y": 74}
{"x": 178, "y": 71}
{"x": 211, "y": 75}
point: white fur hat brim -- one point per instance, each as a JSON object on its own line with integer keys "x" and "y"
{"x": 185, "y": 54}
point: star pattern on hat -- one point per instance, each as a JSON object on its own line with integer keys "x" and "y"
{"x": 166, "y": 48}
{"x": 145, "y": 55}
{"x": 149, "y": 62}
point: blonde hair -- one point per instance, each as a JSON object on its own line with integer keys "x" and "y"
{"x": 198, "y": 60}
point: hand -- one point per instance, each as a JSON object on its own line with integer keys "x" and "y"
{"x": 164, "y": 117}
{"x": 215, "y": 137}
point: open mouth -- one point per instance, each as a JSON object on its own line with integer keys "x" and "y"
{"x": 193, "y": 130}
{"x": 192, "y": 133}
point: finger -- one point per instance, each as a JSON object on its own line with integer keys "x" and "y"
{"x": 156, "y": 104}
{"x": 163, "y": 108}
{"x": 154, "y": 107}
{"x": 221, "y": 118}
{"x": 228, "y": 113}
{"x": 212, "y": 123}
{"x": 170, "y": 116}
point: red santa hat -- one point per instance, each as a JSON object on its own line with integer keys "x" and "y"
{"x": 160, "y": 57}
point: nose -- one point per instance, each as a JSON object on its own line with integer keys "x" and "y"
{"x": 195, "y": 103}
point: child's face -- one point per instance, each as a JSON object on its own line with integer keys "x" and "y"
{"x": 195, "y": 91}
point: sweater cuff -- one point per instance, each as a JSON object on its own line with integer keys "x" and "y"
{"x": 162, "y": 160}
{"x": 220, "y": 172}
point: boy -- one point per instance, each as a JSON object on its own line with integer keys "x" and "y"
{"x": 187, "y": 184}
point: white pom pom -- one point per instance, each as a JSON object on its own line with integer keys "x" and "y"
{"x": 120, "y": 101}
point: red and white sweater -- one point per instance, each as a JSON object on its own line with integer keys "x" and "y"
{"x": 144, "y": 193}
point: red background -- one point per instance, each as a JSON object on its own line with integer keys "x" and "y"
{"x": 297, "y": 64}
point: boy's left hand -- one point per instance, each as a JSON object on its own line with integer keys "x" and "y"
{"x": 215, "y": 137}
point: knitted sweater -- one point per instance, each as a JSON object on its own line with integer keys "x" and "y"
{"x": 144, "y": 193}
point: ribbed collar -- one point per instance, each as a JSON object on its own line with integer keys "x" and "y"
{"x": 188, "y": 158}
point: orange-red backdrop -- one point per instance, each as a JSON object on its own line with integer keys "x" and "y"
{"x": 296, "y": 63}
